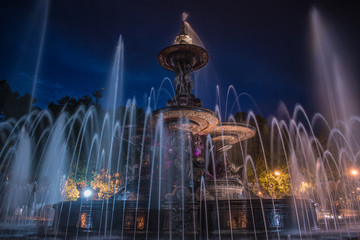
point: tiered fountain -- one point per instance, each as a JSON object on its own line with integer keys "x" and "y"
{"x": 179, "y": 172}
{"x": 185, "y": 183}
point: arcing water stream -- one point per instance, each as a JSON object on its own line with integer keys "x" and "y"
{"x": 164, "y": 174}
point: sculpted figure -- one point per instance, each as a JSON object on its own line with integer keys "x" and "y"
{"x": 188, "y": 81}
{"x": 183, "y": 80}
{"x": 179, "y": 80}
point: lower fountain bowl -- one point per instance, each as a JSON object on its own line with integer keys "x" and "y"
{"x": 194, "y": 219}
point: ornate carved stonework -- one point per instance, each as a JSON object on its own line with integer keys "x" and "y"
{"x": 183, "y": 58}
{"x": 230, "y": 133}
{"x": 189, "y": 119}
{"x": 179, "y": 195}
{"x": 183, "y": 220}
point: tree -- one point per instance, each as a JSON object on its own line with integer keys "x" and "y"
{"x": 71, "y": 191}
{"x": 105, "y": 184}
{"x": 258, "y": 148}
{"x": 265, "y": 159}
{"x": 12, "y": 105}
{"x": 69, "y": 104}
{"x": 276, "y": 185}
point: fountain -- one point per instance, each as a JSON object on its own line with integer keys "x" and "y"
{"x": 175, "y": 172}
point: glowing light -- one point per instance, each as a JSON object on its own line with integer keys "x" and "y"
{"x": 259, "y": 193}
{"x": 197, "y": 152}
{"x": 87, "y": 193}
{"x": 354, "y": 172}
{"x": 304, "y": 186}
{"x": 140, "y": 222}
{"x": 277, "y": 173}
{"x": 329, "y": 216}
{"x": 83, "y": 220}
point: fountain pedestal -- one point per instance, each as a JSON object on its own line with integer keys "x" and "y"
{"x": 183, "y": 58}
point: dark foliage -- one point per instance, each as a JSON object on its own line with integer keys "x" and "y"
{"x": 69, "y": 104}
{"x": 12, "y": 105}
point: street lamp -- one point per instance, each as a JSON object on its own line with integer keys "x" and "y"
{"x": 277, "y": 173}
{"x": 354, "y": 172}
{"x": 87, "y": 193}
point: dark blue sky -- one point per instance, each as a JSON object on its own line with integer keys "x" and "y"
{"x": 261, "y": 48}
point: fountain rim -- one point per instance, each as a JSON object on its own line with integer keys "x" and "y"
{"x": 236, "y": 124}
{"x": 219, "y": 133}
{"x": 213, "y": 128}
{"x": 206, "y": 116}
{"x": 199, "y": 55}
{"x": 173, "y": 108}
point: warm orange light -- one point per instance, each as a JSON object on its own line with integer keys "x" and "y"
{"x": 83, "y": 220}
{"x": 140, "y": 222}
{"x": 259, "y": 193}
{"x": 277, "y": 173}
{"x": 354, "y": 172}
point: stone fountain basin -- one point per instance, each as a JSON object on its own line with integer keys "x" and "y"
{"x": 246, "y": 216}
{"x": 203, "y": 121}
{"x": 193, "y": 119}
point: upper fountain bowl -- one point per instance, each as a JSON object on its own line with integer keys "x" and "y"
{"x": 231, "y": 132}
{"x": 190, "y": 53}
{"x": 183, "y": 51}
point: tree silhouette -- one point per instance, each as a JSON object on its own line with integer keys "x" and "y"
{"x": 12, "y": 105}
{"x": 69, "y": 104}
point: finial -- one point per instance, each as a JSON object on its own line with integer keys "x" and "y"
{"x": 183, "y": 32}
{"x": 183, "y": 38}
{"x": 183, "y": 58}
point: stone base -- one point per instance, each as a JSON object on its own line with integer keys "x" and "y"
{"x": 184, "y": 100}
{"x": 194, "y": 219}
{"x": 229, "y": 189}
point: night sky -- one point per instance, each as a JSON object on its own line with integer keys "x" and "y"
{"x": 263, "y": 48}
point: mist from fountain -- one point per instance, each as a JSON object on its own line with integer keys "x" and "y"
{"x": 54, "y": 165}
{"x": 45, "y": 5}
{"x": 18, "y": 193}
{"x": 335, "y": 86}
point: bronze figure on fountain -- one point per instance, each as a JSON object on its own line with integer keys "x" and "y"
{"x": 183, "y": 58}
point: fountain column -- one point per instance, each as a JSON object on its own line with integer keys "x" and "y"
{"x": 183, "y": 58}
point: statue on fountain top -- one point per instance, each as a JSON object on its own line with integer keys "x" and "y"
{"x": 183, "y": 58}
